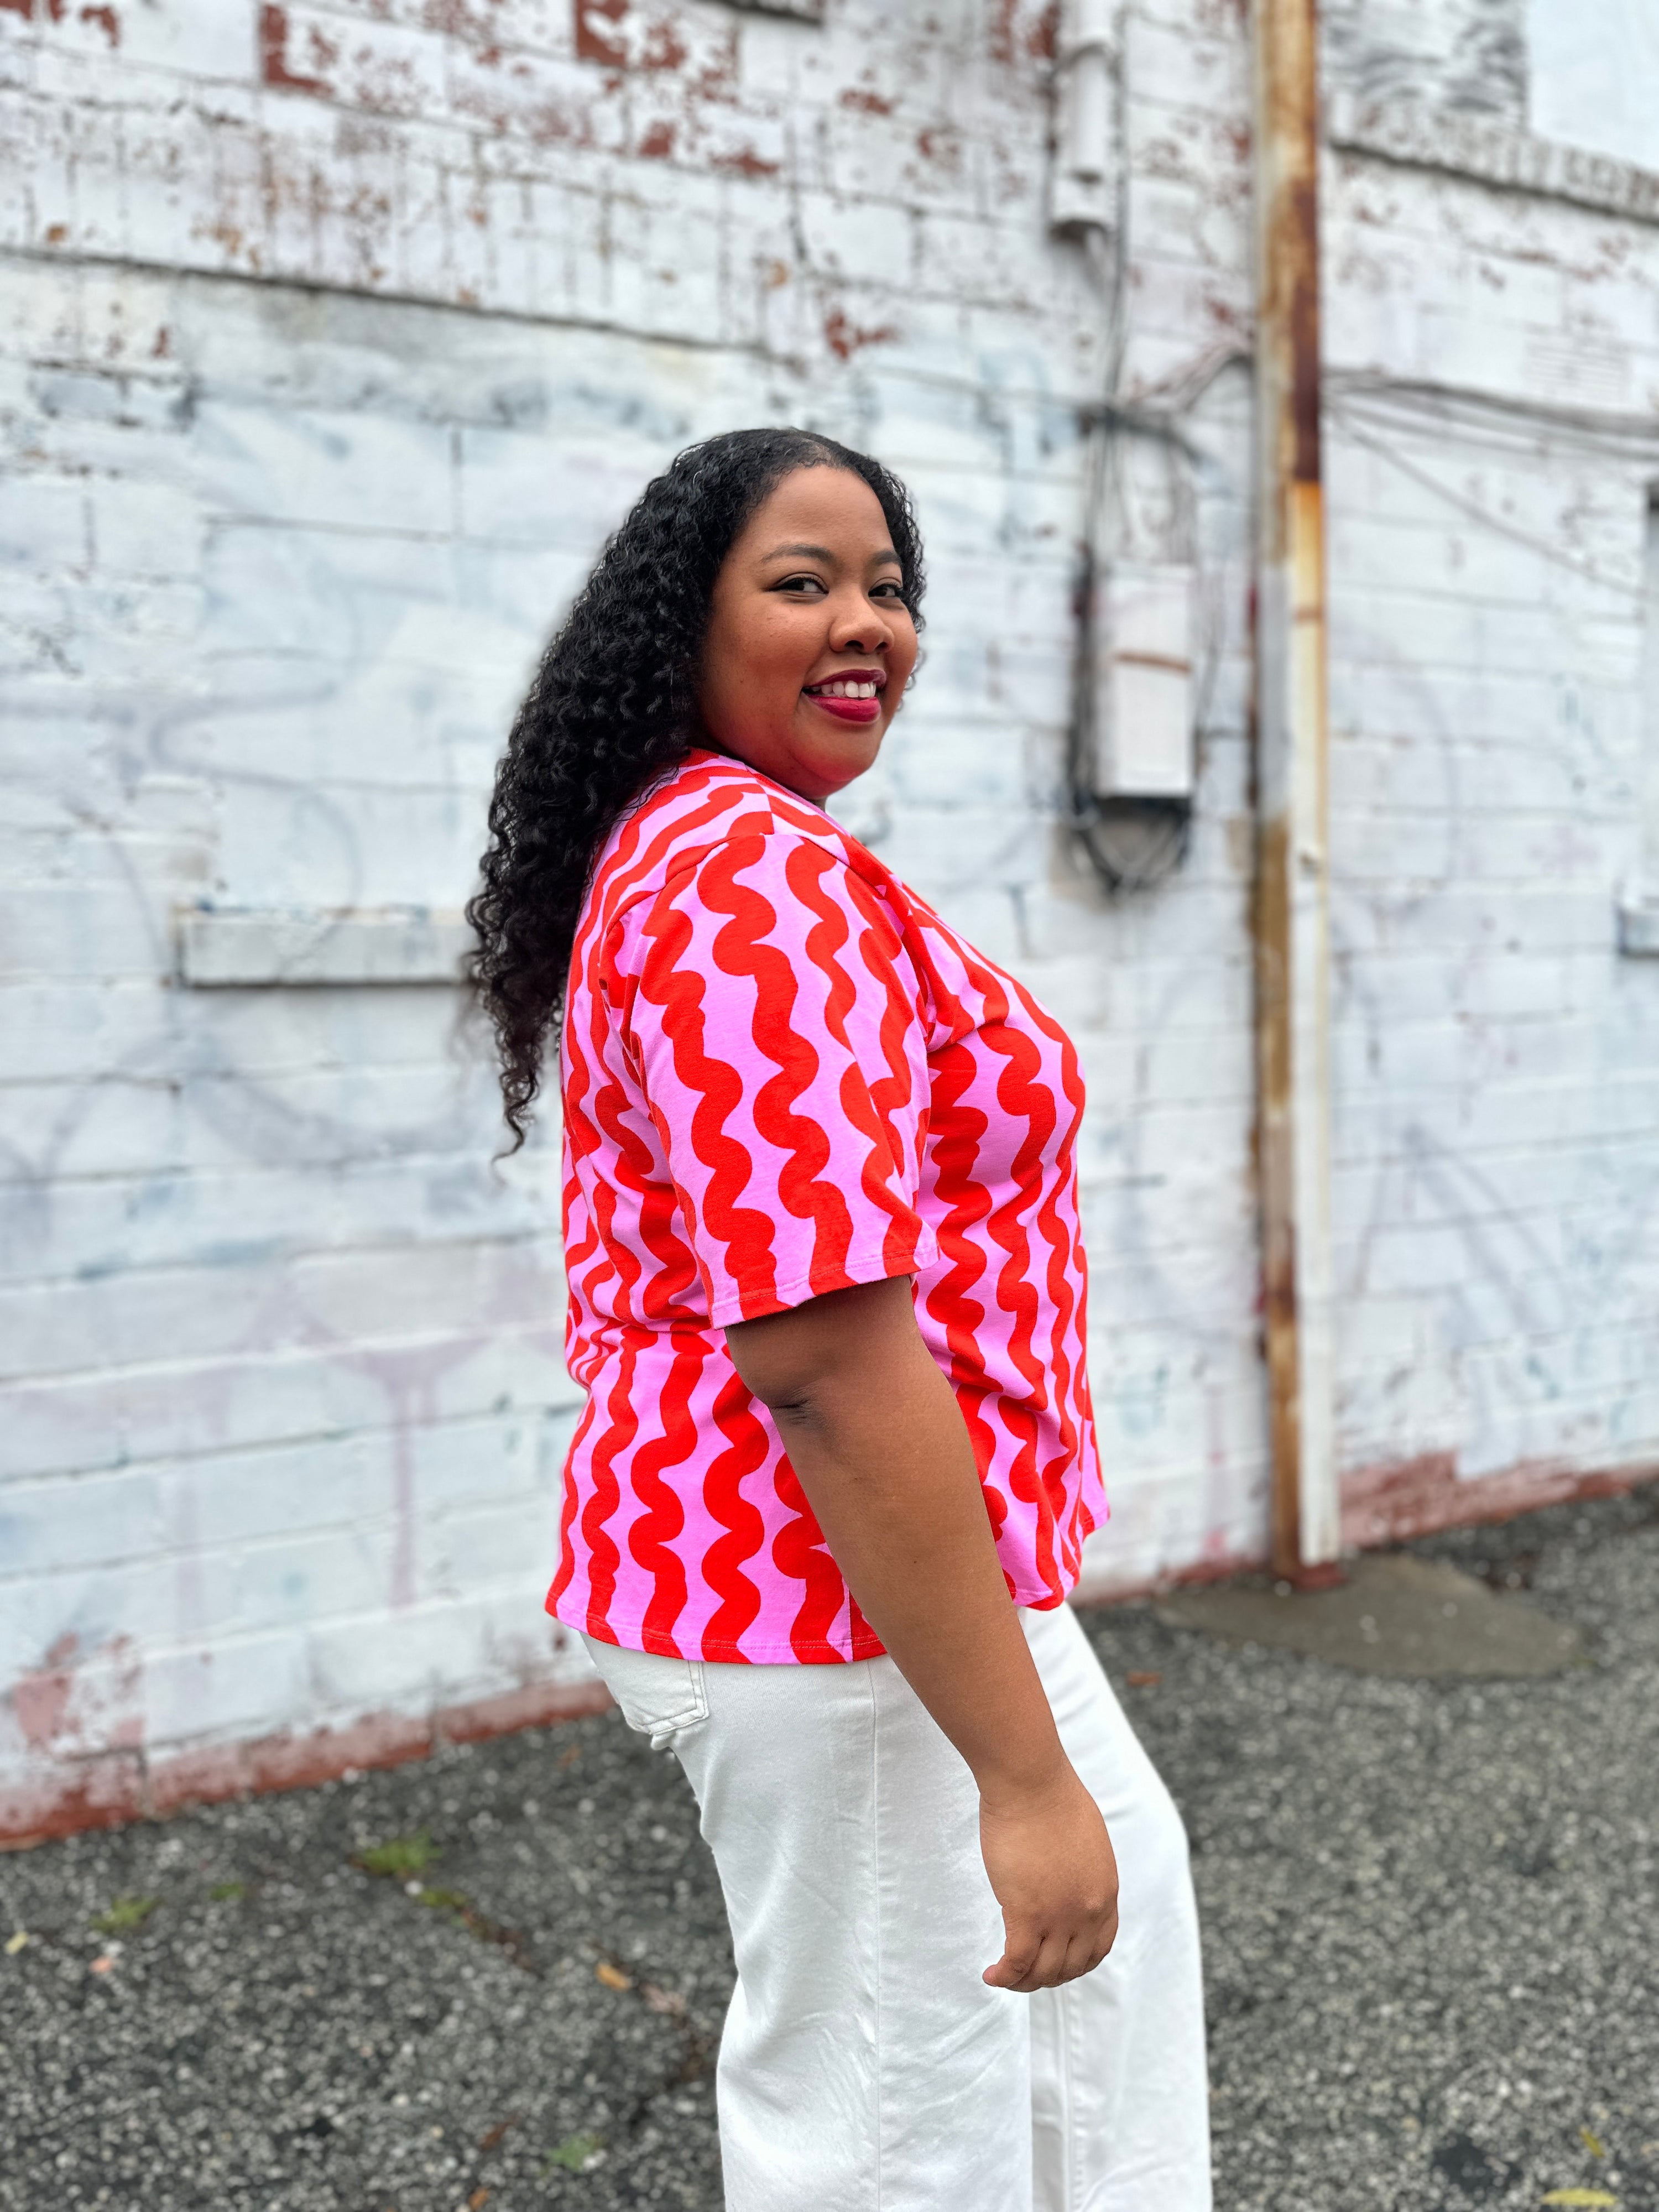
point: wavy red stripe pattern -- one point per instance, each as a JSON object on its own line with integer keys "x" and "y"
{"x": 782, "y": 1075}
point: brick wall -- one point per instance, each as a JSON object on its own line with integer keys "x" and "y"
{"x": 1493, "y": 437}
{"x": 334, "y": 339}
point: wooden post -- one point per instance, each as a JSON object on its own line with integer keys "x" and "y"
{"x": 1292, "y": 921}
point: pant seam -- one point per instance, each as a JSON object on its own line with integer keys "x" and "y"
{"x": 1076, "y": 2191}
{"x": 879, "y": 1903}
{"x": 1066, "y": 2130}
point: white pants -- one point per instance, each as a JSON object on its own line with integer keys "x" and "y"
{"x": 865, "y": 2066}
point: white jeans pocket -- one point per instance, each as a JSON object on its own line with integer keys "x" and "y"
{"x": 660, "y": 1698}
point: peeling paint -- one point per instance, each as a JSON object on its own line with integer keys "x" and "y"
{"x": 1395, "y": 1502}
{"x": 846, "y": 337}
{"x": 274, "y": 65}
{"x": 79, "y": 1700}
{"x": 110, "y": 1792}
{"x": 40, "y": 1699}
{"x": 596, "y": 39}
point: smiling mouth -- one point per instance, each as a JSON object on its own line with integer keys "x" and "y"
{"x": 849, "y": 698}
{"x": 847, "y": 687}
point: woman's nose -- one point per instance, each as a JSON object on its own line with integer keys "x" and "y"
{"x": 861, "y": 628}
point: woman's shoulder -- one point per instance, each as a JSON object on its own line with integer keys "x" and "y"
{"x": 714, "y": 817}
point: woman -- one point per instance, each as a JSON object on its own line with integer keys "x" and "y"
{"x": 838, "y": 1462}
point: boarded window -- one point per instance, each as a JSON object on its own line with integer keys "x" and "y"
{"x": 1449, "y": 53}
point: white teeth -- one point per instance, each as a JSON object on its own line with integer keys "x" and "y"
{"x": 843, "y": 689}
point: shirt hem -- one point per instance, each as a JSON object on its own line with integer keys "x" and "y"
{"x": 868, "y": 1266}
{"x": 632, "y": 1636}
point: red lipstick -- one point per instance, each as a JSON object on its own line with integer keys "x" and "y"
{"x": 847, "y": 710}
{"x": 836, "y": 702}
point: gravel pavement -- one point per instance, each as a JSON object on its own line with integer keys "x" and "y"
{"x": 495, "y": 1978}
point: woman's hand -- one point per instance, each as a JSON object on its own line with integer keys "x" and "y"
{"x": 1052, "y": 1868}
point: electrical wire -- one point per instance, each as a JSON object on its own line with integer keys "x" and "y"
{"x": 1596, "y": 429}
{"x": 1379, "y": 412}
{"x": 1495, "y": 523}
{"x": 1131, "y": 844}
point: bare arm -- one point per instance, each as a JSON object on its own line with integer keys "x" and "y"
{"x": 874, "y": 1430}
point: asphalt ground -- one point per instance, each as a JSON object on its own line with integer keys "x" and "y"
{"x": 1432, "y": 1928}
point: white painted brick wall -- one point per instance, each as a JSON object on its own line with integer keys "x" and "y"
{"x": 1497, "y": 1142}
{"x": 330, "y": 346}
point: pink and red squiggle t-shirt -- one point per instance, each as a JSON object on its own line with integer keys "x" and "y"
{"x": 783, "y": 1074}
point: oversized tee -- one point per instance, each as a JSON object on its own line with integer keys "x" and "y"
{"x": 782, "y": 1074}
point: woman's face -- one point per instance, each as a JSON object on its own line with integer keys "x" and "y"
{"x": 810, "y": 645}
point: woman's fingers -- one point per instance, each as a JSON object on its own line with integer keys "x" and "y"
{"x": 1101, "y": 1943}
{"x": 1022, "y": 1951}
{"x": 1051, "y": 1863}
{"x": 1032, "y": 1957}
{"x": 1021, "y": 1976}
{"x": 1035, "y": 1962}
{"x": 1089, "y": 1952}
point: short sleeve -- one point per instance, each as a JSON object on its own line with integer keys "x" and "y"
{"x": 773, "y": 1019}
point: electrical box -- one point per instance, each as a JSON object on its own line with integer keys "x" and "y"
{"x": 1144, "y": 683}
{"x": 1082, "y": 171}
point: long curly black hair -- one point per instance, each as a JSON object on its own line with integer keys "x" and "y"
{"x": 613, "y": 709}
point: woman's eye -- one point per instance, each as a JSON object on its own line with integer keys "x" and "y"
{"x": 798, "y": 584}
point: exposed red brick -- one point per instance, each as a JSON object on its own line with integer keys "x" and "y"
{"x": 872, "y": 103}
{"x": 537, "y": 1705}
{"x": 745, "y": 162}
{"x": 201, "y": 1777}
{"x": 462, "y": 19}
{"x": 658, "y": 142}
{"x": 110, "y": 1790}
{"x": 66, "y": 1714}
{"x": 944, "y": 146}
{"x": 1017, "y": 34}
{"x": 210, "y": 1774}
{"x": 845, "y": 337}
{"x": 1395, "y": 1503}
{"x": 39, "y": 1699}
{"x": 273, "y": 54}
{"x": 593, "y": 43}
{"x": 91, "y": 1793}
{"x": 107, "y": 21}
{"x": 719, "y": 73}
{"x": 663, "y": 48}
{"x": 549, "y": 124}
{"x": 1391, "y": 1503}
{"x": 299, "y": 1762}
